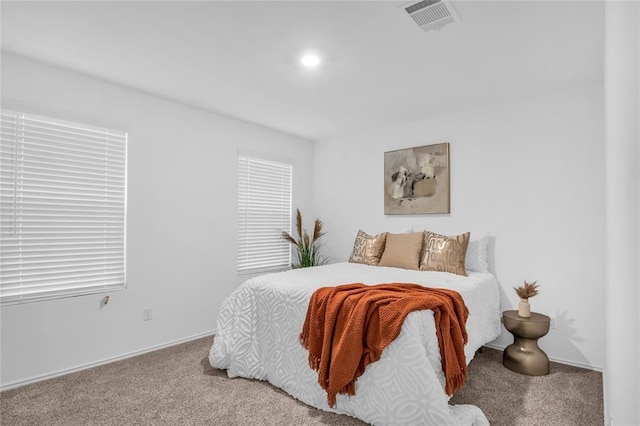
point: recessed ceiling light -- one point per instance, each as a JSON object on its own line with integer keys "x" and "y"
{"x": 310, "y": 61}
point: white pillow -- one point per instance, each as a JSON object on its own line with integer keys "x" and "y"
{"x": 476, "y": 257}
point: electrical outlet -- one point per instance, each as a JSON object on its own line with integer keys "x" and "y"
{"x": 146, "y": 314}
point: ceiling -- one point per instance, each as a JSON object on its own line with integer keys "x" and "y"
{"x": 241, "y": 58}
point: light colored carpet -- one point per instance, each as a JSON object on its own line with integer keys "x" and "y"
{"x": 176, "y": 386}
{"x": 567, "y": 396}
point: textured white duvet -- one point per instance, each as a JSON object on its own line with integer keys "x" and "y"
{"x": 259, "y": 324}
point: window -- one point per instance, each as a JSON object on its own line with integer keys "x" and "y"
{"x": 264, "y": 211}
{"x": 62, "y": 208}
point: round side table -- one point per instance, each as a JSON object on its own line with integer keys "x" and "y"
{"x": 524, "y": 356}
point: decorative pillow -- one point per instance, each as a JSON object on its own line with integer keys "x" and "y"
{"x": 368, "y": 249}
{"x": 402, "y": 250}
{"x": 445, "y": 254}
{"x": 476, "y": 258}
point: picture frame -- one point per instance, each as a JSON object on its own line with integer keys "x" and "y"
{"x": 417, "y": 180}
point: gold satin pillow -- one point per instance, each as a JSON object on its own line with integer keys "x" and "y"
{"x": 445, "y": 254}
{"x": 402, "y": 250}
{"x": 367, "y": 248}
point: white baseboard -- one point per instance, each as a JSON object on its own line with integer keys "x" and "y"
{"x": 35, "y": 379}
{"x": 554, "y": 359}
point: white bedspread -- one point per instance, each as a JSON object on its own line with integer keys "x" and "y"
{"x": 259, "y": 324}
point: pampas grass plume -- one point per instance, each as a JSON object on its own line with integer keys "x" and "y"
{"x": 527, "y": 290}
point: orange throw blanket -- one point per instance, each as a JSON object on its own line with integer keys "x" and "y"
{"x": 348, "y": 326}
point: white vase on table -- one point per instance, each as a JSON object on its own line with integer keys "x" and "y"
{"x": 524, "y": 309}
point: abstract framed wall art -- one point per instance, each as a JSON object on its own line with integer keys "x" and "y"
{"x": 416, "y": 180}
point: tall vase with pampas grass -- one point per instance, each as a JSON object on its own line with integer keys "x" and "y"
{"x": 525, "y": 292}
{"x": 308, "y": 246}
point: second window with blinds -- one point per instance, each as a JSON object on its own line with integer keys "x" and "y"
{"x": 264, "y": 211}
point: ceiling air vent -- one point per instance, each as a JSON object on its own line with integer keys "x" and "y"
{"x": 431, "y": 14}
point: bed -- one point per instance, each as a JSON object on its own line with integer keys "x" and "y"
{"x": 258, "y": 329}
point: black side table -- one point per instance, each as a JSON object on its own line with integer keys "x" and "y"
{"x": 524, "y": 356}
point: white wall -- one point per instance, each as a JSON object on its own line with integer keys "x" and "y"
{"x": 181, "y": 229}
{"x": 622, "y": 119}
{"x": 530, "y": 173}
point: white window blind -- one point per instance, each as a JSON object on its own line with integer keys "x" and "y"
{"x": 62, "y": 208}
{"x": 264, "y": 211}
